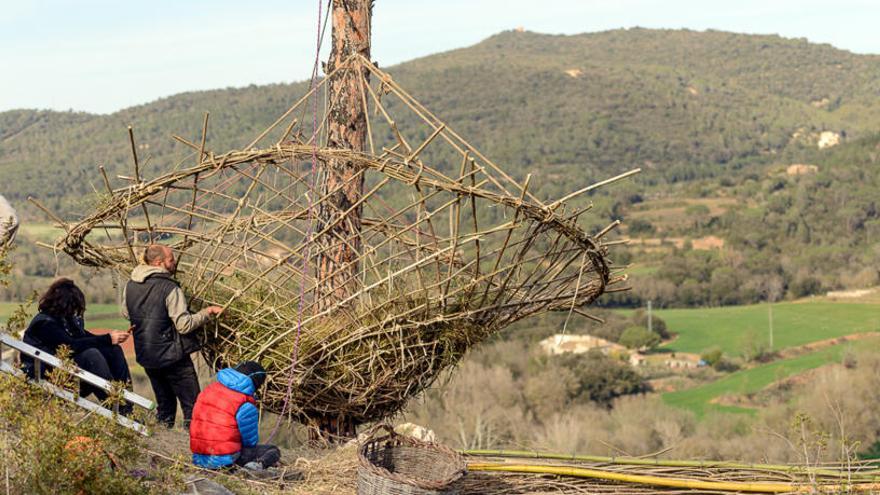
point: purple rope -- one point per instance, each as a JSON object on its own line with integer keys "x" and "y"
{"x": 305, "y": 263}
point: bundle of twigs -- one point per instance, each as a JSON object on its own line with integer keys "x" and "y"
{"x": 444, "y": 250}
{"x": 528, "y": 472}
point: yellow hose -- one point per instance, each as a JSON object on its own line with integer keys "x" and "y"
{"x": 730, "y": 486}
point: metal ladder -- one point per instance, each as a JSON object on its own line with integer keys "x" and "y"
{"x": 42, "y": 358}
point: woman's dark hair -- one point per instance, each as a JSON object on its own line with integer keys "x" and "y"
{"x": 63, "y": 299}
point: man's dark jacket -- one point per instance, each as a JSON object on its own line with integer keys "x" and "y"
{"x": 156, "y": 342}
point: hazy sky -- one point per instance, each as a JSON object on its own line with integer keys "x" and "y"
{"x": 101, "y": 55}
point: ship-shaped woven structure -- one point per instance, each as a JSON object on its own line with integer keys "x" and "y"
{"x": 447, "y": 250}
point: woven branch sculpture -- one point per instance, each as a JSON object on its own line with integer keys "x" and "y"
{"x": 449, "y": 250}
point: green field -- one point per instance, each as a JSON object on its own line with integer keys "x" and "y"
{"x": 731, "y": 328}
{"x": 97, "y": 315}
{"x": 36, "y": 231}
{"x": 642, "y": 269}
{"x": 698, "y": 399}
{"x": 734, "y": 328}
{"x": 111, "y": 323}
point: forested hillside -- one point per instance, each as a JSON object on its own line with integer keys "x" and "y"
{"x": 777, "y": 233}
{"x": 713, "y": 118}
{"x": 684, "y": 104}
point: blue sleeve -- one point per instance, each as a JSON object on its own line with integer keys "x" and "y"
{"x": 248, "y": 419}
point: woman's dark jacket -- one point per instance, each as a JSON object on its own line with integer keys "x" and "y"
{"x": 48, "y": 333}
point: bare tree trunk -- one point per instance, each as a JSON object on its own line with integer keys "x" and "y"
{"x": 347, "y": 128}
{"x": 342, "y": 180}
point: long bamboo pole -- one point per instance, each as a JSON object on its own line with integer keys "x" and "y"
{"x": 637, "y": 461}
{"x": 725, "y": 486}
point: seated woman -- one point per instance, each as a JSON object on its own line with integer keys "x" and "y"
{"x": 60, "y": 322}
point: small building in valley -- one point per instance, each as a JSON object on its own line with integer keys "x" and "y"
{"x": 578, "y": 344}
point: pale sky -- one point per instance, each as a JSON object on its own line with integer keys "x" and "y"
{"x": 101, "y": 56}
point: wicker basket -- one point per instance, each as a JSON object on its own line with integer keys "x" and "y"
{"x": 394, "y": 464}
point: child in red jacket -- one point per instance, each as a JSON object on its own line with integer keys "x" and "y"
{"x": 225, "y": 422}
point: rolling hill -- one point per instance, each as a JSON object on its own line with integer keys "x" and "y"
{"x": 713, "y": 118}
{"x": 682, "y": 104}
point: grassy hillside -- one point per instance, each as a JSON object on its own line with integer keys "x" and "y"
{"x": 794, "y": 324}
{"x": 700, "y": 399}
{"x": 740, "y": 330}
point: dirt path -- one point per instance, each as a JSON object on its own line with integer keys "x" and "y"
{"x": 821, "y": 344}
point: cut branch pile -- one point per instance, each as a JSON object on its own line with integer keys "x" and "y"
{"x": 493, "y": 472}
{"x": 448, "y": 249}
{"x": 518, "y": 472}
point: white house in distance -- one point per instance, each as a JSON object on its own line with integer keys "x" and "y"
{"x": 577, "y": 344}
{"x": 580, "y": 344}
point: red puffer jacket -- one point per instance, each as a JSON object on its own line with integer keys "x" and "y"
{"x": 214, "y": 429}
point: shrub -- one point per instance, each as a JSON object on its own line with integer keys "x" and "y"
{"x": 635, "y": 337}
{"x": 755, "y": 347}
{"x": 725, "y": 365}
{"x": 5, "y": 267}
{"x": 600, "y": 378}
{"x": 638, "y": 226}
{"x": 712, "y": 356}
{"x": 805, "y": 286}
{"x": 50, "y": 447}
{"x": 658, "y": 325}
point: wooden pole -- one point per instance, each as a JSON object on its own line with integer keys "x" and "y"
{"x": 341, "y": 180}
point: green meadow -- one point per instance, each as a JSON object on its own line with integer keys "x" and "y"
{"x": 735, "y": 327}
{"x": 97, "y": 315}
{"x": 35, "y": 231}
{"x": 698, "y": 399}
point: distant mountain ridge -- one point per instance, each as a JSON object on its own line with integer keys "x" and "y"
{"x": 682, "y": 104}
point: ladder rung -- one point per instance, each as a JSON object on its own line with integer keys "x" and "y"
{"x": 81, "y": 402}
{"x": 82, "y": 374}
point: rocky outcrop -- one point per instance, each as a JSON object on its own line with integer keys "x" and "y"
{"x": 800, "y": 169}
{"x": 827, "y": 139}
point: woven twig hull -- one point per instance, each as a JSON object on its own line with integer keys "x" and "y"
{"x": 447, "y": 250}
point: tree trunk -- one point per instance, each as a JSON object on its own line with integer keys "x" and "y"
{"x": 347, "y": 129}
{"x": 342, "y": 182}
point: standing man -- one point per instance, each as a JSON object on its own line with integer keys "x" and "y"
{"x": 158, "y": 311}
